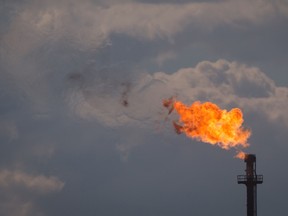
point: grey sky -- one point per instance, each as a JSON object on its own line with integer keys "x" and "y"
{"x": 82, "y": 128}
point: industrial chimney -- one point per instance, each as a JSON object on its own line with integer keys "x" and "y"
{"x": 251, "y": 179}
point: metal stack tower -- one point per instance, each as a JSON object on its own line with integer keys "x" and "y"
{"x": 251, "y": 179}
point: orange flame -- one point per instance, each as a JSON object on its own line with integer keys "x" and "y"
{"x": 240, "y": 155}
{"x": 208, "y": 123}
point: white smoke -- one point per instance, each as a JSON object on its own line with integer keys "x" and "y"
{"x": 85, "y": 26}
{"x": 228, "y": 84}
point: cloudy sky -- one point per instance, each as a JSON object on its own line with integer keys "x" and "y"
{"x": 82, "y": 127}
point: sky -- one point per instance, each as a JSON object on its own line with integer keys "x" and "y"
{"x": 82, "y": 126}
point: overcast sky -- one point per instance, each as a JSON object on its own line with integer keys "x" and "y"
{"x": 82, "y": 127}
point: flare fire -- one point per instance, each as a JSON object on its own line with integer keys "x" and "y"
{"x": 210, "y": 124}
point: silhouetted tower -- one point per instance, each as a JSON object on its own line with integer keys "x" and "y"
{"x": 251, "y": 179}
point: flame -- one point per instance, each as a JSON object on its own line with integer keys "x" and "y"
{"x": 240, "y": 155}
{"x": 208, "y": 123}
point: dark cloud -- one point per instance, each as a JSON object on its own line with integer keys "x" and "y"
{"x": 67, "y": 68}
